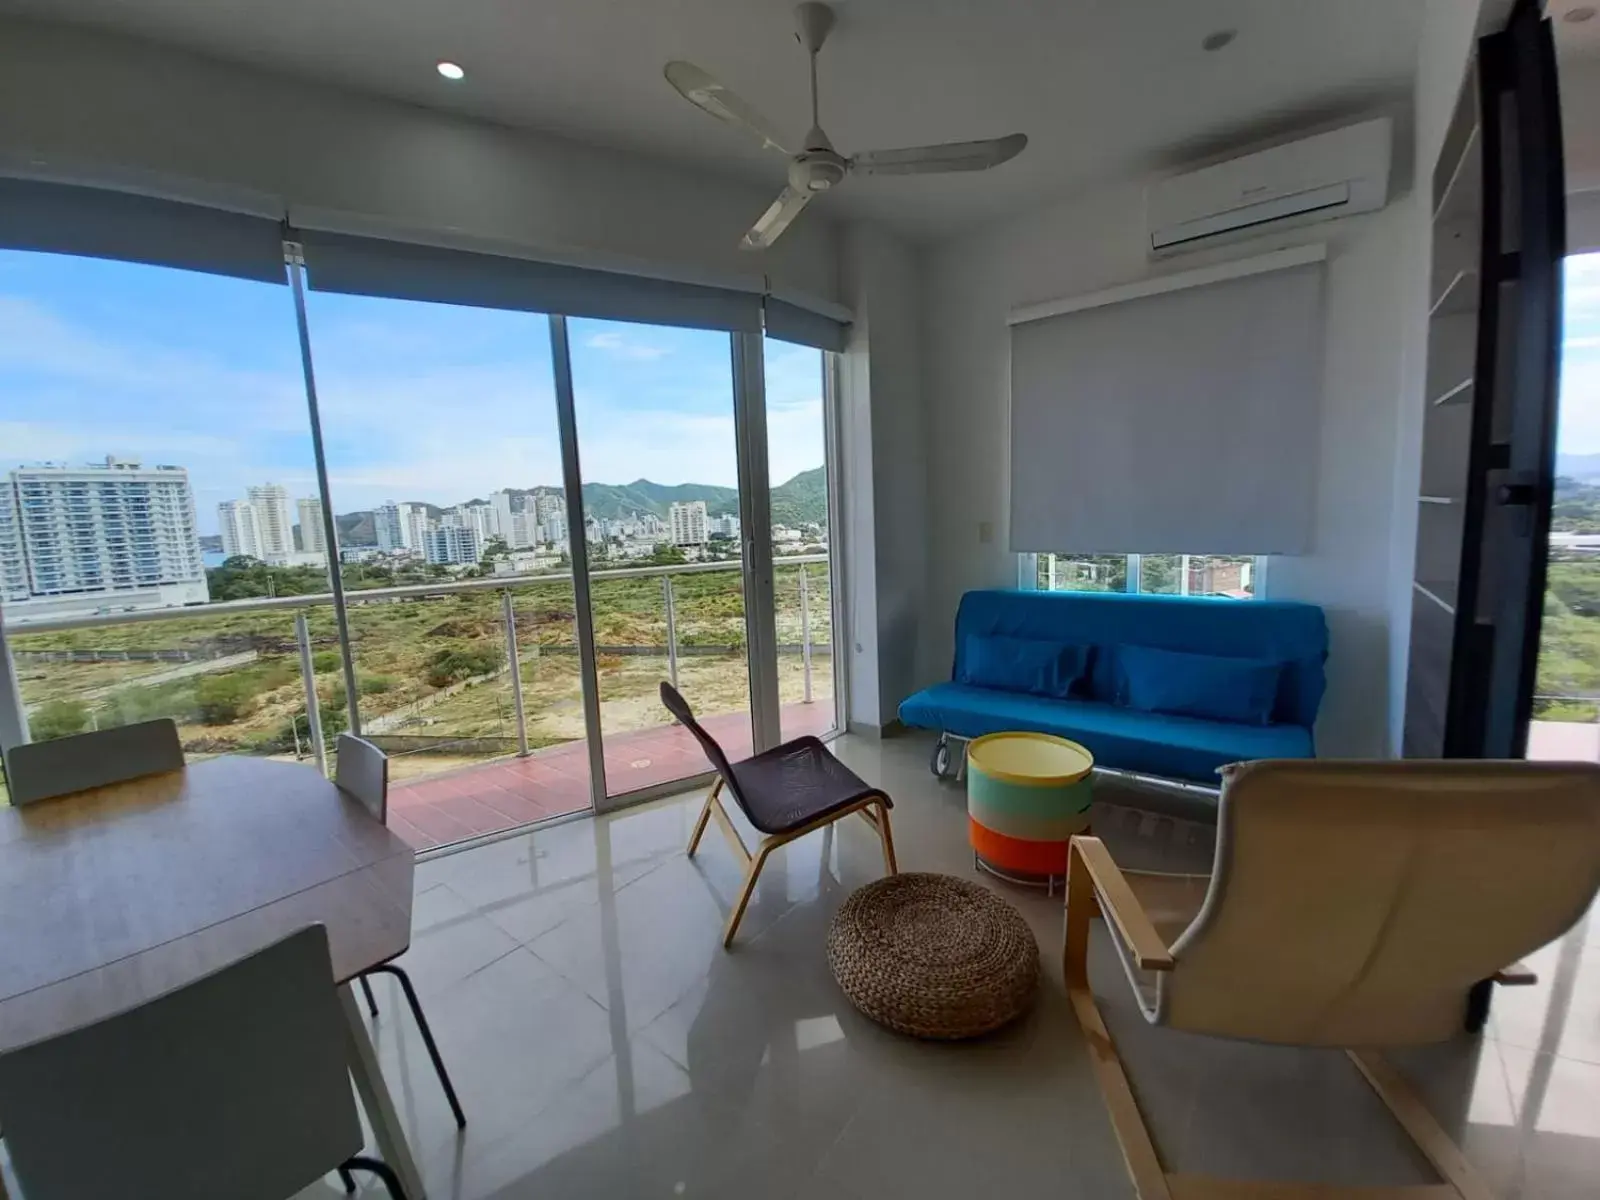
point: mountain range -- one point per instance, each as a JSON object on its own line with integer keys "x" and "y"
{"x": 802, "y": 500}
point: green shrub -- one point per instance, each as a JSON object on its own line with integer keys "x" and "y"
{"x": 449, "y": 666}
{"x": 324, "y": 661}
{"x": 223, "y": 699}
{"x": 377, "y": 685}
{"x": 58, "y": 718}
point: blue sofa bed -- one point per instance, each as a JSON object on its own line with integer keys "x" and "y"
{"x": 1170, "y": 686}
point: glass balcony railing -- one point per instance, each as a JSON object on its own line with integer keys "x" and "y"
{"x": 449, "y": 675}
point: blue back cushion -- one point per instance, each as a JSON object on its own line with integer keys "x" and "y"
{"x": 1280, "y": 631}
{"x": 1024, "y": 665}
{"x": 1243, "y": 690}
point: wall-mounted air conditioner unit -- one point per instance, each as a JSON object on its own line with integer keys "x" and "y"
{"x": 1315, "y": 179}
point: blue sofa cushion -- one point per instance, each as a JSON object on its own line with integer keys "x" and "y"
{"x": 1268, "y": 630}
{"x": 1242, "y": 690}
{"x": 1123, "y": 738}
{"x": 1024, "y": 665}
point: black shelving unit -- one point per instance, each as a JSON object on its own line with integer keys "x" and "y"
{"x": 1488, "y": 425}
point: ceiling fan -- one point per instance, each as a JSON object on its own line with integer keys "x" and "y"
{"x": 818, "y": 166}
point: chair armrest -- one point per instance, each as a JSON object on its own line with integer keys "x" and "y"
{"x": 1516, "y": 975}
{"x": 1121, "y": 906}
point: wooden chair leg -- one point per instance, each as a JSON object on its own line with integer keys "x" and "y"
{"x": 887, "y": 838}
{"x": 1133, "y": 1135}
{"x": 752, "y": 873}
{"x": 705, "y": 816}
{"x": 1436, "y": 1145}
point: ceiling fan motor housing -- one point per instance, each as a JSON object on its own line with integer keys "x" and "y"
{"x": 817, "y": 170}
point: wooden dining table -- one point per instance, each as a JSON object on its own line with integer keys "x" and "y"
{"x": 113, "y": 896}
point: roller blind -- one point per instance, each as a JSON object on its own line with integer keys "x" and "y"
{"x": 1179, "y": 422}
{"x": 60, "y": 218}
{"x": 368, "y": 266}
{"x": 792, "y": 323}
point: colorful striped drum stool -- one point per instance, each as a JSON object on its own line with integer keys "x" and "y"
{"x": 1027, "y": 794}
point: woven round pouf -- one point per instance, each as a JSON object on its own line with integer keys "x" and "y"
{"x": 934, "y": 956}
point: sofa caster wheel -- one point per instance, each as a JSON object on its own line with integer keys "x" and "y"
{"x": 941, "y": 758}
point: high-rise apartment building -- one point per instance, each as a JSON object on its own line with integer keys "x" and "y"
{"x": 313, "y": 538}
{"x": 240, "y": 529}
{"x": 688, "y": 522}
{"x": 387, "y": 527}
{"x": 416, "y": 527}
{"x": 112, "y": 535}
{"x": 451, "y": 544}
{"x": 501, "y": 508}
{"x": 271, "y": 504}
{"x": 13, "y": 562}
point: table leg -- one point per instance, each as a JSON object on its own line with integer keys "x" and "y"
{"x": 375, "y": 1098}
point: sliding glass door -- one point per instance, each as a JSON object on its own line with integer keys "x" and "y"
{"x": 799, "y": 433}
{"x": 663, "y": 538}
{"x": 386, "y": 487}
{"x": 444, "y": 466}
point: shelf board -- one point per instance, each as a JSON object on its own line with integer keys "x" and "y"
{"x": 1460, "y": 394}
{"x": 1442, "y": 594}
{"x": 1436, "y": 500}
{"x": 1459, "y": 296}
{"x": 1463, "y": 195}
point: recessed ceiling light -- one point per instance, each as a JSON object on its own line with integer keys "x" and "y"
{"x": 1219, "y": 39}
{"x": 1584, "y": 12}
{"x": 451, "y": 70}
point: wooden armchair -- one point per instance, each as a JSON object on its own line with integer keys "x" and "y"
{"x": 1355, "y": 905}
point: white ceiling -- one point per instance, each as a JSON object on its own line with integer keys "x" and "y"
{"x": 1103, "y": 88}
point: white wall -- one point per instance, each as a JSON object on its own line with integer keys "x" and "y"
{"x": 1099, "y": 241}
{"x": 81, "y": 103}
{"x": 882, "y": 410}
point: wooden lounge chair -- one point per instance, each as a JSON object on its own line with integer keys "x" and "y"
{"x": 1352, "y": 905}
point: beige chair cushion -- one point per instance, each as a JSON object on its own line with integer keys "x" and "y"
{"x": 1355, "y": 904}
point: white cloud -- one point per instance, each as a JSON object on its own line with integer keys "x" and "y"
{"x": 624, "y": 347}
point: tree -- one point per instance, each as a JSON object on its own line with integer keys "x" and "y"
{"x": 58, "y": 718}
{"x": 447, "y": 665}
{"x": 223, "y": 699}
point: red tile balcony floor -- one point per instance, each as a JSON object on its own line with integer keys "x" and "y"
{"x": 506, "y": 792}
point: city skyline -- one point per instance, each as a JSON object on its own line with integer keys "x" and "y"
{"x": 420, "y": 400}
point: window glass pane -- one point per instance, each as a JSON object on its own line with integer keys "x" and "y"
{"x": 656, "y": 442}
{"x": 444, "y": 463}
{"x": 1083, "y": 573}
{"x": 797, "y": 462}
{"x": 150, "y": 415}
{"x": 1197, "y": 575}
{"x": 1566, "y": 700}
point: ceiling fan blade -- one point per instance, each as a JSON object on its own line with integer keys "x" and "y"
{"x": 932, "y": 160}
{"x": 776, "y": 219}
{"x": 701, "y": 90}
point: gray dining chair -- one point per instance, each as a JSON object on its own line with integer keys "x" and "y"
{"x": 43, "y": 770}
{"x": 361, "y": 771}
{"x": 180, "y": 1098}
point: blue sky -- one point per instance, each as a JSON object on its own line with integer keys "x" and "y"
{"x": 419, "y": 401}
{"x": 1579, "y": 428}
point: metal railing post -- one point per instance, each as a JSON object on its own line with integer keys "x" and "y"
{"x": 672, "y": 630}
{"x": 516, "y": 674}
{"x": 805, "y": 631}
{"x": 13, "y": 715}
{"x": 302, "y": 634}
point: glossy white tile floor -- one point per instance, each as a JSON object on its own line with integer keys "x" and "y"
{"x": 605, "y": 1046}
